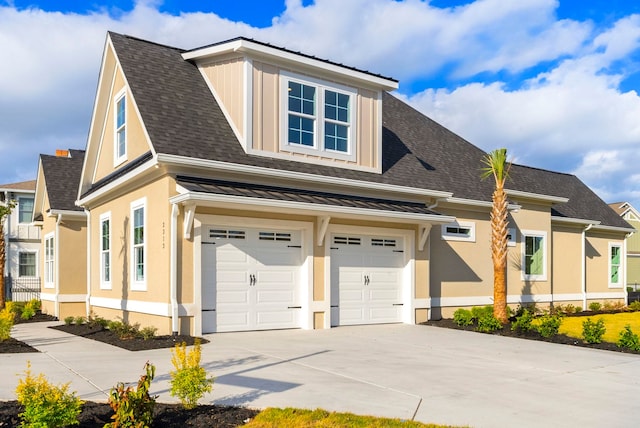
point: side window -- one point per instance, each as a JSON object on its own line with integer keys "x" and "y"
{"x": 27, "y": 264}
{"x": 534, "y": 257}
{"x": 105, "y": 251}
{"x": 49, "y": 258}
{"x": 138, "y": 249}
{"x": 25, "y": 210}
{"x": 615, "y": 265}
{"x": 120, "y": 143}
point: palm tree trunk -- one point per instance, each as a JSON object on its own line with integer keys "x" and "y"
{"x": 2, "y": 262}
{"x": 499, "y": 221}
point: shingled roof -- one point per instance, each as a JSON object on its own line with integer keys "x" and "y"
{"x": 183, "y": 118}
{"x": 62, "y": 178}
{"x": 28, "y": 186}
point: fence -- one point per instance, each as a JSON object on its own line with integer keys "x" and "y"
{"x": 22, "y": 289}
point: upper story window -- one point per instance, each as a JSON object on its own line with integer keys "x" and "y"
{"x": 25, "y": 210}
{"x": 138, "y": 257}
{"x": 459, "y": 231}
{"x": 120, "y": 143}
{"x": 49, "y": 261}
{"x": 318, "y": 117}
{"x": 615, "y": 265}
{"x": 534, "y": 255}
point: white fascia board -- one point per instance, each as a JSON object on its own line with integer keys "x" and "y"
{"x": 579, "y": 221}
{"x": 67, "y": 213}
{"x": 476, "y": 203}
{"x": 333, "y": 209}
{"x": 614, "y": 229}
{"x": 537, "y": 196}
{"x": 296, "y": 176}
{"x": 151, "y": 163}
{"x": 249, "y": 47}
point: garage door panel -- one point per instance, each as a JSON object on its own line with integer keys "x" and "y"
{"x": 233, "y": 297}
{"x": 275, "y": 296}
{"x": 227, "y": 253}
{"x": 276, "y": 318}
{"x": 384, "y": 315}
{"x": 351, "y": 316}
{"x": 285, "y": 277}
{"x": 385, "y": 259}
{"x": 232, "y": 321}
{"x": 273, "y": 257}
{"x": 384, "y": 296}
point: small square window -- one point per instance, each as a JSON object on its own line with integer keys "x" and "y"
{"x": 459, "y": 231}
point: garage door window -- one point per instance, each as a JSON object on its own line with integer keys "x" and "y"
{"x": 227, "y": 234}
{"x": 379, "y": 242}
{"x": 346, "y": 240}
{"x": 274, "y": 236}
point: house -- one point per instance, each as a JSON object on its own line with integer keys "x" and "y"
{"x": 243, "y": 186}
{"x": 64, "y": 234}
{"x": 22, "y": 243}
{"x": 632, "y": 216}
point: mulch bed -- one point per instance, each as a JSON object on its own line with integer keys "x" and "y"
{"x": 101, "y": 334}
{"x": 166, "y": 415}
{"x": 534, "y": 335}
{"x": 13, "y": 346}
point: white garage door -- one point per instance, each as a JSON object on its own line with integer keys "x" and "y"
{"x": 366, "y": 279}
{"x": 250, "y": 279}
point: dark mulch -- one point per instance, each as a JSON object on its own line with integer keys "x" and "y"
{"x": 101, "y": 334}
{"x": 534, "y": 335}
{"x": 166, "y": 415}
{"x": 38, "y": 317}
{"x": 13, "y": 346}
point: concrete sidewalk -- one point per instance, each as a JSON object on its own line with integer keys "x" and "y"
{"x": 404, "y": 371}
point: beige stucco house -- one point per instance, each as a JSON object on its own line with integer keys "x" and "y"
{"x": 243, "y": 186}
{"x": 64, "y": 234}
{"x": 632, "y": 216}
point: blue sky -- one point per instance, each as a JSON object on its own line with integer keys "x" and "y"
{"x": 556, "y": 82}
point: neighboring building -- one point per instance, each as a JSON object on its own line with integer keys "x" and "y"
{"x": 22, "y": 243}
{"x": 242, "y": 186}
{"x": 631, "y": 215}
{"x": 64, "y": 234}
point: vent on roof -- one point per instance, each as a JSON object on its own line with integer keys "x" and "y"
{"x": 62, "y": 153}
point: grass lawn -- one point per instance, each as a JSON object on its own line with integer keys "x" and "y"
{"x": 614, "y": 323}
{"x": 299, "y": 418}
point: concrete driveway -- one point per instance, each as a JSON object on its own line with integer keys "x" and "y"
{"x": 411, "y": 372}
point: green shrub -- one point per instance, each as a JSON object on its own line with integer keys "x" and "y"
{"x": 133, "y": 407}
{"x": 14, "y": 307}
{"x": 549, "y": 325}
{"x": 123, "y": 330}
{"x": 35, "y": 304}
{"x": 595, "y": 306}
{"x": 28, "y": 312}
{"x": 635, "y": 306}
{"x": 628, "y": 339}
{"x": 488, "y": 323}
{"x": 523, "y": 322}
{"x": 592, "y": 332}
{"x": 148, "y": 332}
{"x": 7, "y": 318}
{"x": 478, "y": 312}
{"x": 68, "y": 320}
{"x": 97, "y": 321}
{"x": 189, "y": 381}
{"x": 46, "y": 405}
{"x": 577, "y": 309}
{"x": 79, "y": 320}
{"x": 462, "y": 317}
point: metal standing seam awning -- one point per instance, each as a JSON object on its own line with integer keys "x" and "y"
{"x": 198, "y": 191}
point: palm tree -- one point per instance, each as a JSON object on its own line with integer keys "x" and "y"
{"x": 5, "y": 210}
{"x": 496, "y": 165}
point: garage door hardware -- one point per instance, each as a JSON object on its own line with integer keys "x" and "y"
{"x": 208, "y": 243}
{"x": 252, "y": 279}
{"x": 366, "y": 280}
{"x": 334, "y": 248}
{"x": 294, "y": 246}
{"x": 294, "y": 307}
{"x": 398, "y": 251}
{"x": 208, "y": 310}
{"x": 398, "y": 304}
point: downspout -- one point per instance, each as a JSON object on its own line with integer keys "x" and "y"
{"x": 88, "y": 297}
{"x": 56, "y": 259}
{"x": 173, "y": 268}
{"x": 624, "y": 267}
{"x": 584, "y": 266}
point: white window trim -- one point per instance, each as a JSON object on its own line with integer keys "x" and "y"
{"x": 318, "y": 148}
{"x": 620, "y": 283}
{"x": 135, "y": 284}
{"x": 49, "y": 268}
{"x": 117, "y": 159}
{"x": 448, "y": 236}
{"x": 511, "y": 242}
{"x": 545, "y": 249}
{"x": 35, "y": 252}
{"x": 105, "y": 285}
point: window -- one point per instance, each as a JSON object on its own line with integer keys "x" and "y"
{"x": 226, "y": 234}
{"x": 27, "y": 264}
{"x": 534, "y": 257}
{"x": 459, "y": 231}
{"x": 274, "y": 236}
{"x": 105, "y": 251}
{"x": 615, "y": 265}
{"x": 25, "y": 210}
{"x": 319, "y": 117}
{"x": 120, "y": 149}
{"x": 48, "y": 261}
{"x": 138, "y": 245}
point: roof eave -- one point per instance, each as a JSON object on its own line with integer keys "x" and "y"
{"x": 536, "y": 196}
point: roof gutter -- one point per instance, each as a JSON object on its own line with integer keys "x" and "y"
{"x": 537, "y": 196}
{"x": 297, "y": 176}
{"x": 67, "y": 213}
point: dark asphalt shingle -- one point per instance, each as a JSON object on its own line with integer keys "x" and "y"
{"x": 62, "y": 178}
